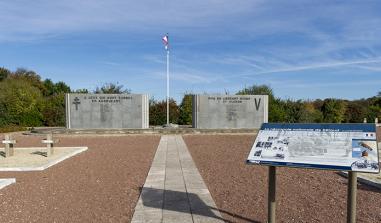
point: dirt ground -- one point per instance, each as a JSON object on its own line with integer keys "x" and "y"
{"x": 240, "y": 190}
{"x": 98, "y": 185}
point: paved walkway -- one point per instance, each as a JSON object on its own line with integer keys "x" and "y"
{"x": 174, "y": 190}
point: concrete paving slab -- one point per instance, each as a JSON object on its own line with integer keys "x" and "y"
{"x": 7, "y": 181}
{"x": 34, "y": 159}
{"x": 174, "y": 190}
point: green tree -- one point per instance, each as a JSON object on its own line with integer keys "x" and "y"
{"x": 61, "y": 87}
{"x": 356, "y": 111}
{"x": 81, "y": 91}
{"x": 311, "y": 114}
{"x": 333, "y": 110}
{"x": 49, "y": 87}
{"x": 294, "y": 111}
{"x": 54, "y": 110}
{"x": 112, "y": 88}
{"x": 158, "y": 112}
{"x": 374, "y": 107}
{"x": 30, "y": 76}
{"x": 374, "y": 112}
{"x": 21, "y": 103}
{"x": 257, "y": 90}
{"x": 186, "y": 110}
{"x": 4, "y": 73}
{"x": 276, "y": 109}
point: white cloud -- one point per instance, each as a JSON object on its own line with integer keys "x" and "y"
{"x": 233, "y": 39}
{"x": 41, "y": 18}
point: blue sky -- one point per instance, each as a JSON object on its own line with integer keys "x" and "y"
{"x": 302, "y": 49}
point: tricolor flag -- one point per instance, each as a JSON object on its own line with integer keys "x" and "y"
{"x": 165, "y": 41}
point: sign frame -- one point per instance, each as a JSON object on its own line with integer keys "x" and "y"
{"x": 352, "y": 130}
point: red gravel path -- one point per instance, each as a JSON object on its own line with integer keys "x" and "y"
{"x": 98, "y": 185}
{"x": 240, "y": 190}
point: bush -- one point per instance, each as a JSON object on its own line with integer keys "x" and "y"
{"x": 333, "y": 110}
{"x": 20, "y": 103}
{"x": 185, "y": 117}
{"x": 158, "y": 112}
{"x": 54, "y": 110}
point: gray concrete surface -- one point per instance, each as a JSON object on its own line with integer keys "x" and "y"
{"x": 35, "y": 159}
{"x": 229, "y": 111}
{"x": 154, "y": 130}
{"x": 102, "y": 111}
{"x": 6, "y": 182}
{"x": 174, "y": 190}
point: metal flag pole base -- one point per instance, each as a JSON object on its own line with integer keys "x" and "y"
{"x": 271, "y": 195}
{"x": 352, "y": 195}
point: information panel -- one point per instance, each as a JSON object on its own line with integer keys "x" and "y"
{"x": 348, "y": 147}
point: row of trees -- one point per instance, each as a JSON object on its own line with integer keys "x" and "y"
{"x": 27, "y": 100}
{"x": 180, "y": 114}
{"x": 329, "y": 110}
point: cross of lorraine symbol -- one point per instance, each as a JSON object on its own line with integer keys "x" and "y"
{"x": 76, "y": 103}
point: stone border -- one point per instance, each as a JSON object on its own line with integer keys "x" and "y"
{"x": 51, "y": 163}
{"x": 6, "y": 182}
{"x": 151, "y": 130}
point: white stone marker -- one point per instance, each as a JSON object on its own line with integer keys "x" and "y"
{"x": 49, "y": 144}
{"x": 9, "y": 150}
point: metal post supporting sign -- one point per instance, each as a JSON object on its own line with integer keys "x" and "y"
{"x": 271, "y": 195}
{"x": 352, "y": 195}
{"x": 280, "y": 144}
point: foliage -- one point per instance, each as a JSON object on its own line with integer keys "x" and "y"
{"x": 185, "y": 117}
{"x": 54, "y": 110}
{"x": 81, "y": 91}
{"x": 333, "y": 110}
{"x": 4, "y": 73}
{"x": 374, "y": 109}
{"x": 20, "y": 103}
{"x": 51, "y": 88}
{"x": 30, "y": 76}
{"x": 27, "y": 100}
{"x": 329, "y": 110}
{"x": 257, "y": 90}
{"x": 112, "y": 88}
{"x": 277, "y": 110}
{"x": 158, "y": 112}
{"x": 356, "y": 111}
{"x": 276, "y": 105}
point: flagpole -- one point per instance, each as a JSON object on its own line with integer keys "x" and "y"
{"x": 167, "y": 87}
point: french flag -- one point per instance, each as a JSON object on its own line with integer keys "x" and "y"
{"x": 166, "y": 42}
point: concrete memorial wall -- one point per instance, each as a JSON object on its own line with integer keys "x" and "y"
{"x": 107, "y": 111}
{"x": 229, "y": 111}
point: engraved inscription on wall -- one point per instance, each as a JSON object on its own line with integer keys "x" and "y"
{"x": 233, "y": 104}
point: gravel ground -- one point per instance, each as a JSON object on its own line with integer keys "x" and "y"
{"x": 240, "y": 190}
{"x": 98, "y": 185}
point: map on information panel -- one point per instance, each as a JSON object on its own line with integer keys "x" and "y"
{"x": 347, "y": 147}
